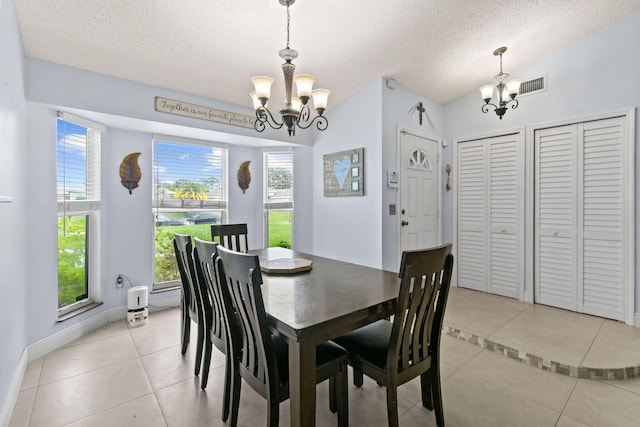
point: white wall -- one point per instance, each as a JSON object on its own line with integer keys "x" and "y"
{"x": 595, "y": 75}
{"x": 13, "y": 216}
{"x": 348, "y": 228}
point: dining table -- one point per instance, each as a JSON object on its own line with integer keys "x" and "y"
{"x": 309, "y": 305}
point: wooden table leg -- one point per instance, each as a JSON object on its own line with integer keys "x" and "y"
{"x": 302, "y": 383}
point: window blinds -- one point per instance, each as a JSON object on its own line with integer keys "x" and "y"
{"x": 278, "y": 179}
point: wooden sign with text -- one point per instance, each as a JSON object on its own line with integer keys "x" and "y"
{"x": 201, "y": 112}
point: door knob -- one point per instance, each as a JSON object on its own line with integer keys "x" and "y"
{"x": 403, "y": 223}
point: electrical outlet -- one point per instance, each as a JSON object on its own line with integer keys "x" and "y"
{"x": 119, "y": 281}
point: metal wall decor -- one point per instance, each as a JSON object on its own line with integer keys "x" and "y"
{"x": 130, "y": 173}
{"x": 244, "y": 176}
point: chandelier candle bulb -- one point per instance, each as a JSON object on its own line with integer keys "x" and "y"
{"x": 506, "y": 92}
{"x": 296, "y": 112}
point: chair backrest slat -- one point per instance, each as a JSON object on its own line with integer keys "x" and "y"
{"x": 243, "y": 278}
{"x": 204, "y": 253}
{"x": 424, "y": 288}
{"x": 231, "y": 236}
{"x": 184, "y": 258}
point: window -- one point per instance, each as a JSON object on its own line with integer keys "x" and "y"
{"x": 278, "y": 197}
{"x": 78, "y": 192}
{"x": 189, "y": 194}
{"x": 420, "y": 160}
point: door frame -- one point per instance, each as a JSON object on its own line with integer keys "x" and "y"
{"x": 522, "y": 291}
{"x": 438, "y": 174}
{"x": 630, "y": 317}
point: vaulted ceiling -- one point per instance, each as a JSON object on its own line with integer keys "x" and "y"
{"x": 441, "y": 49}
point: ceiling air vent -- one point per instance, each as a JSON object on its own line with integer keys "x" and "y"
{"x": 529, "y": 87}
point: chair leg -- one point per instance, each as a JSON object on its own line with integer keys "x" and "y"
{"x": 425, "y": 387}
{"x": 235, "y": 384}
{"x": 358, "y": 379}
{"x": 332, "y": 395}
{"x": 199, "y": 348}
{"x": 436, "y": 394}
{"x": 392, "y": 406}
{"x": 185, "y": 330}
{"x": 227, "y": 397}
{"x": 273, "y": 412}
{"x": 208, "y": 346}
{"x": 341, "y": 396}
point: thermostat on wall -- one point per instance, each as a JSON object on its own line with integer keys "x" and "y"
{"x": 392, "y": 178}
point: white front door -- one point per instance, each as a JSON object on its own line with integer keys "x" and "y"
{"x": 419, "y": 191}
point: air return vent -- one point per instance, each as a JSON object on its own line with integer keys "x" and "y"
{"x": 532, "y": 86}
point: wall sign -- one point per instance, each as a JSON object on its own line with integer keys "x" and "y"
{"x": 180, "y": 108}
{"x": 344, "y": 173}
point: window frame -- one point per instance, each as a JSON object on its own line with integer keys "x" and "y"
{"x": 275, "y": 206}
{"x": 211, "y": 205}
{"x": 89, "y": 208}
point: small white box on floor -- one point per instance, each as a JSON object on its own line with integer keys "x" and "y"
{"x": 137, "y": 306}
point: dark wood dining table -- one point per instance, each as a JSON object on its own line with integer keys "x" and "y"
{"x": 310, "y": 307}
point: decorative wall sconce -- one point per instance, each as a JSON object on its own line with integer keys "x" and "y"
{"x": 448, "y": 170}
{"x": 244, "y": 176}
{"x": 506, "y": 91}
{"x": 130, "y": 173}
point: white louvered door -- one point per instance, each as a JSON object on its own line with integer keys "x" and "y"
{"x": 490, "y": 210}
{"x": 581, "y": 217}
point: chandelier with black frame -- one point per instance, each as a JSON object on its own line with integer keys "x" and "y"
{"x": 296, "y": 111}
{"x": 506, "y": 91}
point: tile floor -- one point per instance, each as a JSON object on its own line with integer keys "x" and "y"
{"x": 116, "y": 376}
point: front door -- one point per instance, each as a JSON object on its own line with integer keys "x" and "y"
{"x": 419, "y": 191}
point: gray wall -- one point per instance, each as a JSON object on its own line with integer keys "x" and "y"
{"x": 13, "y": 216}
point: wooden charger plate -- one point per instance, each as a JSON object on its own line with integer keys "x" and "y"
{"x": 285, "y": 265}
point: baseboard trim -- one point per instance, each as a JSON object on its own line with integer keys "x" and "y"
{"x": 637, "y": 320}
{"x": 14, "y": 390}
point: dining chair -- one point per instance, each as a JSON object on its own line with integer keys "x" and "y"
{"x": 232, "y": 236}
{"x": 191, "y": 301}
{"x": 394, "y": 352}
{"x": 204, "y": 255}
{"x": 261, "y": 357}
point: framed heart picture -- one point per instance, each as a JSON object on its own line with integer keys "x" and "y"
{"x": 344, "y": 173}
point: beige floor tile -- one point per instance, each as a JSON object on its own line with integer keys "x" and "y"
{"x": 154, "y": 337}
{"x": 607, "y": 355}
{"x": 565, "y": 421}
{"x": 142, "y": 412}
{"x": 571, "y": 324}
{"x": 547, "y": 388}
{"x": 185, "y": 405}
{"x": 596, "y": 403}
{"x": 632, "y": 384}
{"x": 110, "y": 330}
{"x": 456, "y": 352}
{"x": 472, "y": 401}
{"x": 168, "y": 367}
{"x": 87, "y": 357}
{"x": 80, "y": 396}
{"x": 549, "y": 343}
{"x": 483, "y": 312}
{"x": 368, "y": 404}
{"x": 622, "y": 335}
{"x": 419, "y": 416}
{"x": 22, "y": 410}
{"x": 457, "y": 294}
{"x": 412, "y": 392}
{"x": 32, "y": 374}
{"x": 169, "y": 315}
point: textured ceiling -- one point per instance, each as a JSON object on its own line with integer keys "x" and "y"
{"x": 441, "y": 49}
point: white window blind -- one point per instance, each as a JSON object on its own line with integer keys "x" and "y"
{"x": 189, "y": 176}
{"x": 278, "y": 179}
{"x": 78, "y": 165}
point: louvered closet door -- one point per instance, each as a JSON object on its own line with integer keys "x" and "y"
{"x": 506, "y": 205}
{"x": 472, "y": 216}
{"x": 603, "y": 207}
{"x": 556, "y": 216}
{"x": 581, "y": 217}
{"x": 490, "y": 214}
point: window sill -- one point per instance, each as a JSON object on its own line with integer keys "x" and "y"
{"x": 80, "y": 310}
